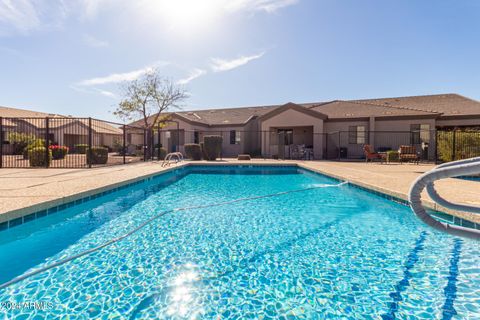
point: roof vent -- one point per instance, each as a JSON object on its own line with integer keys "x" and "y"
{"x": 387, "y": 112}
{"x": 348, "y": 114}
{"x": 226, "y": 121}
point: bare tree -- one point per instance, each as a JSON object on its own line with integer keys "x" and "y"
{"x": 148, "y": 97}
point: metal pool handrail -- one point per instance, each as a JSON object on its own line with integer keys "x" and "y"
{"x": 168, "y": 157}
{"x": 427, "y": 180}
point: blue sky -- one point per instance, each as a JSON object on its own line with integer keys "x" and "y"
{"x": 69, "y": 57}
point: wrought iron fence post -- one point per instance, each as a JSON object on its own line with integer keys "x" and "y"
{"x": 89, "y": 151}
{"x": 47, "y": 142}
{"x": 454, "y": 142}
{"x": 338, "y": 155}
{"x": 158, "y": 142}
{"x": 325, "y": 155}
{"x": 1, "y": 142}
{"x": 144, "y": 145}
{"x": 124, "y": 146}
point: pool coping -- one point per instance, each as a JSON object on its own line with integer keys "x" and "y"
{"x": 30, "y": 213}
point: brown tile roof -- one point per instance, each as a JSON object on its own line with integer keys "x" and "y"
{"x": 229, "y": 116}
{"x": 8, "y": 112}
{"x": 428, "y": 105}
{"x": 448, "y": 104}
{"x": 340, "y": 109}
{"x": 56, "y": 120}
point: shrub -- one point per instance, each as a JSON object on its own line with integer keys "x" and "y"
{"x": 193, "y": 151}
{"x": 97, "y": 155}
{"x": 163, "y": 153}
{"x": 467, "y": 145}
{"x": 58, "y": 152}
{"x": 212, "y": 146}
{"x": 20, "y": 141}
{"x": 33, "y": 144}
{"x": 37, "y": 157}
{"x": 81, "y": 148}
{"x": 393, "y": 156}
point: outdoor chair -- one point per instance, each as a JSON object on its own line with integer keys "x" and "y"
{"x": 409, "y": 154}
{"x": 299, "y": 152}
{"x": 370, "y": 154}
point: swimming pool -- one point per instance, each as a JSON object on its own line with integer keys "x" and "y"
{"x": 330, "y": 251}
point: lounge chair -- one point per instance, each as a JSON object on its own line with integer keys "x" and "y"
{"x": 408, "y": 153}
{"x": 370, "y": 154}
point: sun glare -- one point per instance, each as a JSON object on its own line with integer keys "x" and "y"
{"x": 187, "y": 14}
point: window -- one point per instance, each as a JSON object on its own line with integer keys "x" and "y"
{"x": 285, "y": 136}
{"x": 234, "y": 137}
{"x": 356, "y": 135}
{"x": 420, "y": 133}
{"x": 196, "y": 137}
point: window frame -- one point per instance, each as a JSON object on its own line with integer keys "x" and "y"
{"x": 419, "y": 133}
{"x": 357, "y": 134}
{"x": 233, "y": 137}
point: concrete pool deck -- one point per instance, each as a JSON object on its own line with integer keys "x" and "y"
{"x": 24, "y": 191}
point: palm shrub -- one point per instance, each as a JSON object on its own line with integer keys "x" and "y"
{"x": 58, "y": 152}
{"x": 97, "y": 155}
{"x": 193, "y": 151}
{"x": 212, "y": 147}
{"x": 38, "y": 158}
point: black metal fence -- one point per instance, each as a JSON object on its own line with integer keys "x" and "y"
{"x": 64, "y": 142}
{"x": 349, "y": 145}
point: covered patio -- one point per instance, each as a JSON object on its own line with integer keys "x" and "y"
{"x": 294, "y": 133}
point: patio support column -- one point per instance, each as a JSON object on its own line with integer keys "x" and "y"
{"x": 371, "y": 131}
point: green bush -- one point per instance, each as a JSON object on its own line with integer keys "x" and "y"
{"x": 163, "y": 153}
{"x": 97, "y": 155}
{"x": 193, "y": 151}
{"x": 33, "y": 144}
{"x": 20, "y": 141}
{"x": 393, "y": 156}
{"x": 37, "y": 157}
{"x": 58, "y": 152}
{"x": 467, "y": 145}
{"x": 212, "y": 147}
{"x": 81, "y": 148}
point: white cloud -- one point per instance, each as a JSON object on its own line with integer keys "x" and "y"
{"x": 106, "y": 93}
{"x": 21, "y": 15}
{"x": 91, "y": 41}
{"x": 268, "y": 6}
{"x": 120, "y": 77}
{"x": 193, "y": 75}
{"x": 219, "y": 65}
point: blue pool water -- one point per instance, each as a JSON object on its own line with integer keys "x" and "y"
{"x": 326, "y": 253}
